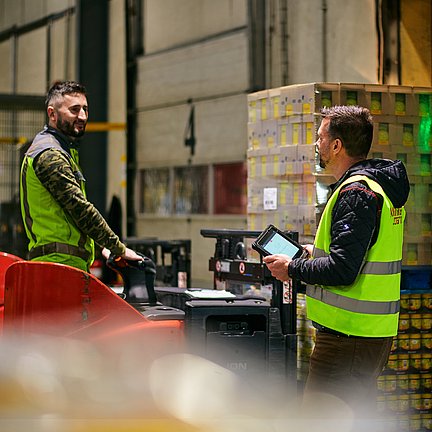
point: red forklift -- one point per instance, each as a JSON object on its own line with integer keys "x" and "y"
{"x": 245, "y": 333}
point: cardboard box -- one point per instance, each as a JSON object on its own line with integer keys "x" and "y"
{"x": 283, "y": 132}
{"x": 403, "y": 102}
{"x": 262, "y": 105}
{"x": 273, "y": 162}
{"x": 255, "y": 135}
{"x": 381, "y": 135}
{"x": 422, "y": 194}
{"x": 307, "y": 220}
{"x": 270, "y": 133}
{"x": 410, "y": 158}
{"x": 288, "y": 220}
{"x": 255, "y": 221}
{"x": 252, "y": 107}
{"x": 288, "y": 161}
{"x": 326, "y": 95}
{"x": 377, "y": 99}
{"x": 297, "y": 99}
{"x": 303, "y": 99}
{"x": 274, "y": 99}
{"x": 410, "y": 253}
{"x": 423, "y": 99}
{"x": 413, "y": 224}
{"x": 353, "y": 94}
{"x": 403, "y": 134}
{"x": 306, "y": 158}
{"x": 425, "y": 165}
{"x": 255, "y": 160}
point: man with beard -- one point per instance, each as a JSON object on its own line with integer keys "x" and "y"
{"x": 60, "y": 223}
{"x": 354, "y": 270}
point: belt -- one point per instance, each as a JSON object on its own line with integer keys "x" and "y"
{"x": 56, "y": 247}
{"x": 324, "y": 329}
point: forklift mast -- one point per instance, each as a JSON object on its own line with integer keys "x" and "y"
{"x": 230, "y": 265}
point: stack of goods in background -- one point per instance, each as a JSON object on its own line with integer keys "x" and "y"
{"x": 405, "y": 386}
{"x": 287, "y": 188}
{"x": 305, "y": 339}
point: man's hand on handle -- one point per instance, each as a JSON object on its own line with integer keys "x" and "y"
{"x": 129, "y": 254}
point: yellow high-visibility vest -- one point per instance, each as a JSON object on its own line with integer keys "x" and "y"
{"x": 370, "y": 306}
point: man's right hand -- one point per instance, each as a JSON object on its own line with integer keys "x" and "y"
{"x": 132, "y": 255}
{"x": 128, "y": 254}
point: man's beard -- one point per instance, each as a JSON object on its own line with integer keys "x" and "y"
{"x": 68, "y": 128}
{"x": 322, "y": 163}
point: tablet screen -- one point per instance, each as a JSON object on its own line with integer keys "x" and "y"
{"x": 279, "y": 245}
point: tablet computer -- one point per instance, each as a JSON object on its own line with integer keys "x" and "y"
{"x": 273, "y": 241}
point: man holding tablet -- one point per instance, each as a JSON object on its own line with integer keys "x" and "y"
{"x": 353, "y": 272}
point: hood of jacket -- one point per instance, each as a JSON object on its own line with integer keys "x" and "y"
{"x": 390, "y": 175}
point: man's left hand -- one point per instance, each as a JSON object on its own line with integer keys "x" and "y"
{"x": 278, "y": 266}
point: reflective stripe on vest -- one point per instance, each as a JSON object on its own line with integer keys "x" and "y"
{"x": 350, "y": 304}
{"x": 379, "y": 268}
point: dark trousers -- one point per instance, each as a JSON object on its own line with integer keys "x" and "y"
{"x": 347, "y": 368}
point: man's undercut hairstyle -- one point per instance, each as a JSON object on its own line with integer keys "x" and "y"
{"x": 61, "y": 88}
{"x": 353, "y": 125}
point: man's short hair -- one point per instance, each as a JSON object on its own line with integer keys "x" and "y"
{"x": 353, "y": 125}
{"x": 61, "y": 88}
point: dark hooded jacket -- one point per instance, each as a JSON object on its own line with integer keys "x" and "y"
{"x": 355, "y": 223}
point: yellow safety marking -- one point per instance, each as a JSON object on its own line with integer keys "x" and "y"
{"x": 104, "y": 126}
{"x": 10, "y": 140}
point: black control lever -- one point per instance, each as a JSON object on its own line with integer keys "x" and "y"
{"x": 138, "y": 278}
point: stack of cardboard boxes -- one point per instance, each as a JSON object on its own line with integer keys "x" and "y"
{"x": 405, "y": 386}
{"x": 287, "y": 188}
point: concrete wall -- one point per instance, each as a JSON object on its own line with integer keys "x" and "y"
{"x": 170, "y": 23}
{"x": 350, "y": 41}
{"x": 31, "y": 74}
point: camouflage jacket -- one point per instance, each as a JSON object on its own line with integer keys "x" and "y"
{"x": 54, "y": 171}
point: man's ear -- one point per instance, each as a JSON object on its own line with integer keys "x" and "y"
{"x": 50, "y": 111}
{"x": 337, "y": 145}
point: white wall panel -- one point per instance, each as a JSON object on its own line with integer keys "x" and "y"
{"x": 10, "y": 14}
{"x": 71, "y": 73}
{"x": 5, "y": 67}
{"x": 220, "y": 129}
{"x": 169, "y": 23}
{"x": 19, "y": 12}
{"x": 33, "y": 10}
{"x": 305, "y": 41}
{"x": 31, "y": 74}
{"x": 54, "y": 6}
{"x": 352, "y": 42}
{"x": 59, "y": 55}
{"x": 216, "y": 67}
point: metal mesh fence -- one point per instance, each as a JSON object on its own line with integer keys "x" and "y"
{"x": 18, "y": 125}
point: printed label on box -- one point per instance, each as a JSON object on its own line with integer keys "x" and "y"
{"x": 270, "y": 198}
